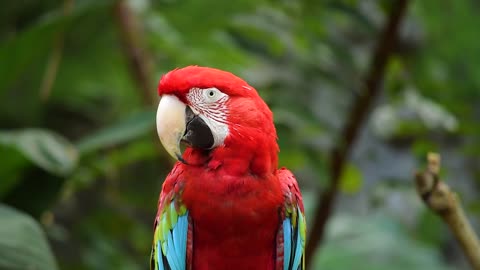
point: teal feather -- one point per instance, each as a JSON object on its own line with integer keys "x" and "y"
{"x": 293, "y": 240}
{"x": 298, "y": 249}
{"x": 287, "y": 242}
{"x": 172, "y": 257}
{"x": 180, "y": 237}
{"x": 159, "y": 258}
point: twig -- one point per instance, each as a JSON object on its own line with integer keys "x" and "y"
{"x": 444, "y": 202}
{"x": 140, "y": 62}
{"x": 55, "y": 57}
{"x": 134, "y": 48}
{"x": 356, "y": 119}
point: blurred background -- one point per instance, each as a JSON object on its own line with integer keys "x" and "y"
{"x": 81, "y": 167}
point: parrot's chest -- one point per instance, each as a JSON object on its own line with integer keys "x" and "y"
{"x": 234, "y": 219}
{"x": 233, "y": 202}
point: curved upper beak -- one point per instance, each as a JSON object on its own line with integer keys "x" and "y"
{"x": 177, "y": 122}
{"x": 171, "y": 124}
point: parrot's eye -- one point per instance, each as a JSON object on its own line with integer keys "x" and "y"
{"x": 211, "y": 95}
{"x": 198, "y": 96}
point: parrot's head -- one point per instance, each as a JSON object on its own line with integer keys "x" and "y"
{"x": 219, "y": 117}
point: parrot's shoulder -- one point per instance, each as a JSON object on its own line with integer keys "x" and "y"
{"x": 173, "y": 184}
{"x": 172, "y": 188}
{"x": 290, "y": 189}
{"x": 174, "y": 178}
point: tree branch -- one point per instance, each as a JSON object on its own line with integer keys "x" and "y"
{"x": 132, "y": 41}
{"x": 357, "y": 117}
{"x": 444, "y": 202}
{"x": 140, "y": 63}
{"x": 55, "y": 57}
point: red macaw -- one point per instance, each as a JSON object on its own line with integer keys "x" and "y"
{"x": 225, "y": 205}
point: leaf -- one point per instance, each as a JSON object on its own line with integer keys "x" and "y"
{"x": 32, "y": 44}
{"x": 11, "y": 169}
{"x": 46, "y": 149}
{"x": 351, "y": 180}
{"x": 23, "y": 244}
{"x": 17, "y": 54}
{"x": 129, "y": 128}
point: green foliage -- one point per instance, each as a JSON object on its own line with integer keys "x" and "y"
{"x": 128, "y": 129}
{"x": 375, "y": 243}
{"x": 23, "y": 244}
{"x": 351, "y": 180}
{"x": 12, "y": 167}
{"x": 46, "y": 149}
{"x": 428, "y": 228}
{"x": 86, "y": 155}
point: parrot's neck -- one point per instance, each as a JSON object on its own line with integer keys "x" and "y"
{"x": 237, "y": 158}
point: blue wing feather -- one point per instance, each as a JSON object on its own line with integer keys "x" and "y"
{"x": 293, "y": 242}
{"x": 172, "y": 257}
{"x": 159, "y": 258}
{"x": 180, "y": 238}
{"x": 298, "y": 250}
{"x": 287, "y": 243}
{"x": 170, "y": 246}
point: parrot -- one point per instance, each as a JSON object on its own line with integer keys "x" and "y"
{"x": 225, "y": 204}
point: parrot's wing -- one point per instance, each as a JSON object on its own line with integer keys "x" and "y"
{"x": 172, "y": 225}
{"x": 293, "y": 230}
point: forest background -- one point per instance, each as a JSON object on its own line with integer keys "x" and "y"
{"x": 361, "y": 90}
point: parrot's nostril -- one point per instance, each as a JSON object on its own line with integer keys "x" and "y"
{"x": 189, "y": 115}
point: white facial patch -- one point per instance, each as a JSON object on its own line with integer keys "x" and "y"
{"x": 211, "y": 105}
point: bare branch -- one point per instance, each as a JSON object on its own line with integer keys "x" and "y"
{"x": 134, "y": 48}
{"x": 55, "y": 57}
{"x": 444, "y": 202}
{"x": 356, "y": 119}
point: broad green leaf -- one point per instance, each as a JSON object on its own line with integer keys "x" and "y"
{"x": 351, "y": 179}
{"x": 127, "y": 129}
{"x": 23, "y": 244}
{"x": 44, "y": 148}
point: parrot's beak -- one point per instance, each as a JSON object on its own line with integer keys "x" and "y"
{"x": 171, "y": 124}
{"x": 177, "y": 122}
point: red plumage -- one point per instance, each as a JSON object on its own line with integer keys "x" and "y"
{"x": 235, "y": 195}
